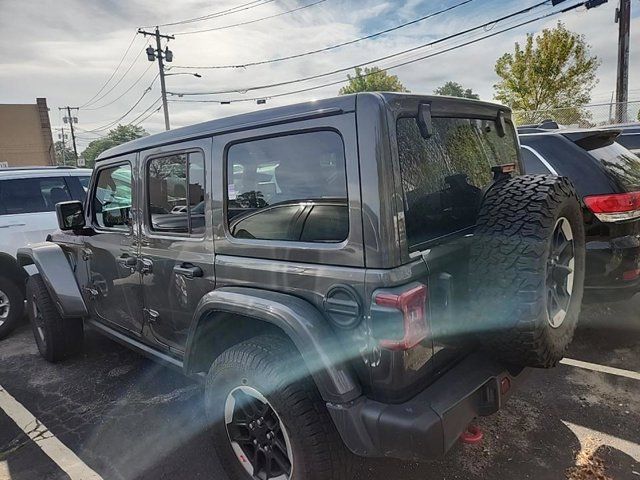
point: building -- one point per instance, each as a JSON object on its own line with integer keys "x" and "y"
{"x": 25, "y": 135}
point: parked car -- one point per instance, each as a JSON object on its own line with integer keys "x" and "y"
{"x": 368, "y": 271}
{"x": 27, "y": 215}
{"x": 607, "y": 178}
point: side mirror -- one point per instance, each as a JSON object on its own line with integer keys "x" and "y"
{"x": 70, "y": 215}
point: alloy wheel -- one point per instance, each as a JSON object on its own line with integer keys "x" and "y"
{"x": 38, "y": 320}
{"x": 5, "y": 307}
{"x": 560, "y": 272}
{"x": 257, "y": 435}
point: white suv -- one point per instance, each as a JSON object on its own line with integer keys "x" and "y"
{"x": 28, "y": 197}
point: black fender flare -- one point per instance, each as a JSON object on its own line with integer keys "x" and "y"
{"x": 299, "y": 320}
{"x": 53, "y": 266}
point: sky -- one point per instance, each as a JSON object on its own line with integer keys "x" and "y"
{"x": 66, "y": 50}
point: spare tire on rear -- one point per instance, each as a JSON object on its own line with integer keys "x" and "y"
{"x": 527, "y": 269}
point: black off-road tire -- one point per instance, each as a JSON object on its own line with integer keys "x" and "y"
{"x": 271, "y": 365}
{"x": 15, "y": 308}
{"x": 57, "y": 337}
{"x": 510, "y": 259}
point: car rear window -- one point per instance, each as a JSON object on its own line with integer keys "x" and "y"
{"x": 623, "y": 165}
{"x": 32, "y": 195}
{"x": 443, "y": 177}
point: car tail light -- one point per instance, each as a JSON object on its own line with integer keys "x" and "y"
{"x": 630, "y": 275}
{"x": 615, "y": 207}
{"x": 413, "y": 306}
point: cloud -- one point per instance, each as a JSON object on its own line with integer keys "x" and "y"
{"x": 66, "y": 53}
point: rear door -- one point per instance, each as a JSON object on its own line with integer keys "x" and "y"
{"x": 176, "y": 252}
{"x": 443, "y": 179}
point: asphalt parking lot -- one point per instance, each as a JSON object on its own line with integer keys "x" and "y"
{"x": 114, "y": 414}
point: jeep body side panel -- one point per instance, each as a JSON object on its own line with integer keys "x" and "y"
{"x": 299, "y": 320}
{"x": 53, "y": 265}
{"x": 379, "y": 199}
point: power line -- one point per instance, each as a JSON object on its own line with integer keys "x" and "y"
{"x": 221, "y": 13}
{"x": 148, "y": 116}
{"x": 491, "y": 24}
{"x": 252, "y": 21}
{"x": 333, "y": 47}
{"x": 112, "y": 123}
{"x": 125, "y": 92}
{"x": 153, "y": 104}
{"x": 113, "y": 73}
{"x": 424, "y": 57}
{"x": 119, "y": 80}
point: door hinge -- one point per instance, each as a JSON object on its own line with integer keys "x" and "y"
{"x": 150, "y": 315}
{"x": 86, "y": 254}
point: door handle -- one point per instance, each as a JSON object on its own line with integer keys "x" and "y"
{"x": 187, "y": 270}
{"x": 127, "y": 261}
{"x": 146, "y": 266}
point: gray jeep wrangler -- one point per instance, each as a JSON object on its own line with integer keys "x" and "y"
{"x": 358, "y": 275}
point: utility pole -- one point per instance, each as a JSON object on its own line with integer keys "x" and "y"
{"x": 623, "y": 19}
{"x": 64, "y": 147}
{"x": 157, "y": 53}
{"x": 71, "y": 120}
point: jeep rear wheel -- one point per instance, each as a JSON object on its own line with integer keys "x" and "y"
{"x": 527, "y": 269}
{"x": 56, "y": 337}
{"x": 267, "y": 418}
{"x": 11, "y": 306}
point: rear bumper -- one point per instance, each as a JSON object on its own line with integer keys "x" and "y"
{"x": 607, "y": 262}
{"x": 427, "y": 426}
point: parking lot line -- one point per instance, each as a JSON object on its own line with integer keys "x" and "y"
{"x": 68, "y": 461}
{"x": 599, "y": 438}
{"x": 601, "y": 368}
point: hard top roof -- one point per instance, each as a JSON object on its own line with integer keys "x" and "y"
{"x": 264, "y": 117}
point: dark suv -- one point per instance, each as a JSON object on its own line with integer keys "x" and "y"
{"x": 606, "y": 176}
{"x": 368, "y": 271}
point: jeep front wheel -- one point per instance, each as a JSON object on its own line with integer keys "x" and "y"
{"x": 267, "y": 418}
{"x": 56, "y": 337}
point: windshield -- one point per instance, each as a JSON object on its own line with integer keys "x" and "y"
{"x": 443, "y": 176}
{"x": 623, "y": 165}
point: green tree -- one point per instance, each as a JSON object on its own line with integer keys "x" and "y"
{"x": 120, "y": 134}
{"x": 454, "y": 89}
{"x": 553, "y": 70}
{"x": 64, "y": 154}
{"x": 372, "y": 80}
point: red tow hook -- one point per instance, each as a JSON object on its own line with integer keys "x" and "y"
{"x": 472, "y": 435}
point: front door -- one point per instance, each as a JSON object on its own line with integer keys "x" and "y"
{"x": 111, "y": 248}
{"x": 176, "y": 241}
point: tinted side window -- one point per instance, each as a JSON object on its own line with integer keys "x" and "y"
{"x": 176, "y": 193}
{"x": 112, "y": 198}
{"x": 443, "y": 176}
{"x": 31, "y": 195}
{"x": 272, "y": 181}
{"x": 532, "y": 164}
{"x": 326, "y": 223}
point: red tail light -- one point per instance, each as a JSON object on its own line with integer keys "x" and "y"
{"x": 615, "y": 207}
{"x": 413, "y": 305}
